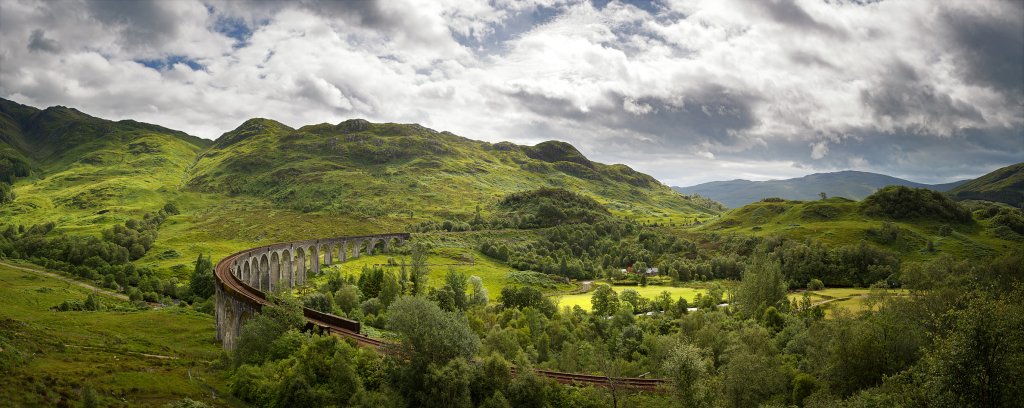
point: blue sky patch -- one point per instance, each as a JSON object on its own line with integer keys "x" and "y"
{"x": 167, "y": 63}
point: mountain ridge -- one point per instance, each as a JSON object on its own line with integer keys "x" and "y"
{"x": 1005, "y": 185}
{"x": 326, "y": 165}
{"x": 851, "y": 184}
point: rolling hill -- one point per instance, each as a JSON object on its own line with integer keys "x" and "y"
{"x": 265, "y": 182}
{"x": 411, "y": 172}
{"x": 907, "y": 221}
{"x": 849, "y": 184}
{"x": 1005, "y": 185}
{"x": 83, "y": 172}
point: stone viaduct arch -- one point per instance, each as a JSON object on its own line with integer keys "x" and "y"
{"x": 244, "y": 278}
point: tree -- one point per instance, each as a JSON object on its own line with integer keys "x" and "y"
{"x": 815, "y": 284}
{"x": 457, "y": 283}
{"x": 448, "y": 385}
{"x": 980, "y": 361}
{"x": 257, "y": 336}
{"x": 823, "y": 195}
{"x": 479, "y": 292}
{"x": 321, "y": 302}
{"x": 762, "y": 286}
{"x": 689, "y": 368}
{"x": 203, "y": 283}
{"x": 429, "y": 333}
{"x": 390, "y": 289}
{"x": 6, "y": 193}
{"x": 604, "y": 301}
{"x": 632, "y": 297}
{"x": 92, "y": 303}
{"x": 430, "y": 338}
{"x": 347, "y": 298}
{"x": 418, "y": 268}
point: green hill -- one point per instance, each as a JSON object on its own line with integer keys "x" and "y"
{"x": 87, "y": 172}
{"x": 1005, "y": 185}
{"x": 415, "y": 173}
{"x": 265, "y": 182}
{"x": 839, "y": 221}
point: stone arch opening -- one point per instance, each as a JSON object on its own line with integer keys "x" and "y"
{"x": 275, "y": 271}
{"x": 300, "y": 265}
{"x": 246, "y": 273}
{"x": 287, "y": 273}
{"x": 264, "y": 273}
{"x": 377, "y": 246}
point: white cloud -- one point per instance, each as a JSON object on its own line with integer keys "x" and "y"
{"x": 710, "y": 88}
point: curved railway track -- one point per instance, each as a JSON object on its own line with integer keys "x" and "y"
{"x": 342, "y": 327}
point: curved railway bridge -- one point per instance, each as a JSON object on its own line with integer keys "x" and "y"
{"x": 244, "y": 278}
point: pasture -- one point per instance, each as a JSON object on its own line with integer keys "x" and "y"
{"x": 129, "y": 358}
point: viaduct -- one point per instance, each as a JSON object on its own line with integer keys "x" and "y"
{"x": 244, "y": 278}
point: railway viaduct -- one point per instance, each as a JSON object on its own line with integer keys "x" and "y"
{"x": 244, "y": 278}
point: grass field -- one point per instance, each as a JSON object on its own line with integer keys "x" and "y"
{"x": 494, "y": 274}
{"x": 583, "y": 299}
{"x": 137, "y": 358}
{"x": 855, "y": 302}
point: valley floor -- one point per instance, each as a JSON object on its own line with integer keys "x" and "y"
{"x": 127, "y": 357}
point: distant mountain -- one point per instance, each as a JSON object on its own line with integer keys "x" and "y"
{"x": 1005, "y": 185}
{"x": 850, "y": 184}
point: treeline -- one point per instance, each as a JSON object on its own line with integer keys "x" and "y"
{"x": 587, "y": 251}
{"x": 105, "y": 259}
{"x": 956, "y": 340}
{"x": 540, "y": 208}
{"x": 603, "y": 249}
{"x": 901, "y": 202}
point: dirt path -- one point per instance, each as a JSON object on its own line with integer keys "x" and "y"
{"x": 66, "y": 279}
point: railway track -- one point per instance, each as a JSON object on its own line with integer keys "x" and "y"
{"x": 341, "y": 327}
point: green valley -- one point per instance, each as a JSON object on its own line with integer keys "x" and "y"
{"x": 520, "y": 258}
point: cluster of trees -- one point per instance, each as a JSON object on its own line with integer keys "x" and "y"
{"x": 437, "y": 363}
{"x": 586, "y": 251}
{"x": 956, "y": 340}
{"x": 91, "y": 304}
{"x": 6, "y": 193}
{"x": 105, "y": 260}
{"x": 901, "y": 202}
{"x": 12, "y": 167}
{"x": 540, "y": 208}
{"x": 848, "y": 265}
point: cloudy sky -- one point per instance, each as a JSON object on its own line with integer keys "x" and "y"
{"x": 686, "y": 90}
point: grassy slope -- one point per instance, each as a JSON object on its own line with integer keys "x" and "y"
{"x": 90, "y": 172}
{"x": 1004, "y": 185}
{"x": 59, "y": 352}
{"x": 413, "y": 173}
{"x": 837, "y": 221}
{"x": 254, "y": 187}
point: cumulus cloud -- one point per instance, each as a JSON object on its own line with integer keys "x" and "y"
{"x": 688, "y": 91}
